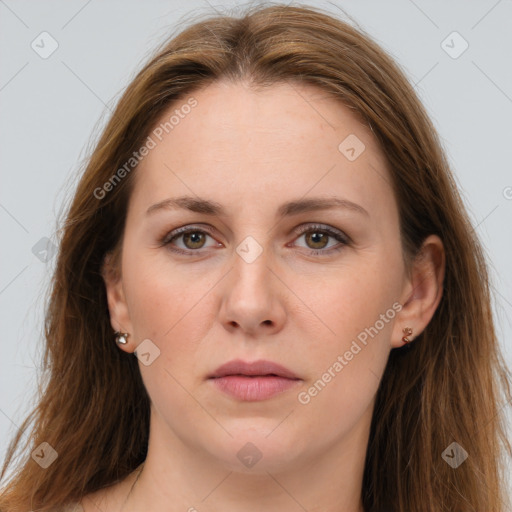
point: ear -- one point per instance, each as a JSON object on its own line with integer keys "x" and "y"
{"x": 117, "y": 306}
{"x": 422, "y": 291}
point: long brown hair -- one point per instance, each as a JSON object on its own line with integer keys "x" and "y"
{"x": 449, "y": 385}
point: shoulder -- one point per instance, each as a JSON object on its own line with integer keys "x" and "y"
{"x": 107, "y": 498}
{"x": 74, "y": 507}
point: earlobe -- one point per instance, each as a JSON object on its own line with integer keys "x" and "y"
{"x": 422, "y": 292}
{"x": 407, "y": 333}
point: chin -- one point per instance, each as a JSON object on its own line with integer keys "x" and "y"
{"x": 252, "y": 450}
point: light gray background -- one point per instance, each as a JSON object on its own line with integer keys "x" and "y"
{"x": 50, "y": 109}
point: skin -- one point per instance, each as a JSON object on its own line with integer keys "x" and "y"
{"x": 252, "y": 151}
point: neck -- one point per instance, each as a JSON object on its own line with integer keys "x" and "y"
{"x": 193, "y": 480}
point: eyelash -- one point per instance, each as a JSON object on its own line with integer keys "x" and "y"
{"x": 316, "y": 228}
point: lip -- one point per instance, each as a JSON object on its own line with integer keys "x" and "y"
{"x": 255, "y": 368}
{"x": 253, "y": 381}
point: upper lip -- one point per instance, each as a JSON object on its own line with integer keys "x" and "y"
{"x": 254, "y": 368}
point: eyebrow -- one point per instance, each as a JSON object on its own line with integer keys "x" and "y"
{"x": 290, "y": 208}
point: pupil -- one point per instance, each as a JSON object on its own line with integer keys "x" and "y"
{"x": 317, "y": 238}
{"x": 194, "y": 238}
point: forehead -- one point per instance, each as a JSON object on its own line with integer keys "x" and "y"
{"x": 250, "y": 147}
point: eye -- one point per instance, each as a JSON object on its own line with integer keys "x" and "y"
{"x": 317, "y": 238}
{"x": 192, "y": 238}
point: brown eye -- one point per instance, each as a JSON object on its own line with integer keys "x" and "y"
{"x": 194, "y": 239}
{"x": 187, "y": 240}
{"x": 317, "y": 238}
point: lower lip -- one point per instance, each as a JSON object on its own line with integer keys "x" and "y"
{"x": 251, "y": 389}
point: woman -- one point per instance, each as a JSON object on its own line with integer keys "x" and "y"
{"x": 268, "y": 294}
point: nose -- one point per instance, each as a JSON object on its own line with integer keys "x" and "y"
{"x": 253, "y": 298}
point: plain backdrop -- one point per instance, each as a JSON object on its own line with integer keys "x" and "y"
{"x": 53, "y": 105}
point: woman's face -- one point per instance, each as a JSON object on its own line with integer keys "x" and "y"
{"x": 268, "y": 277}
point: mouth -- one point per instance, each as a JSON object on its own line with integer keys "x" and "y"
{"x": 260, "y": 368}
{"x": 255, "y": 381}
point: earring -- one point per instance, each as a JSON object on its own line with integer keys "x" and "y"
{"x": 407, "y": 332}
{"x": 121, "y": 337}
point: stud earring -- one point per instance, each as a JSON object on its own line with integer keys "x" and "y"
{"x": 407, "y": 332}
{"x": 121, "y": 338}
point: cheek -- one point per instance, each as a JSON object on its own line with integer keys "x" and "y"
{"x": 161, "y": 295}
{"x": 173, "y": 309}
{"x": 343, "y": 303}
{"x": 353, "y": 325}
